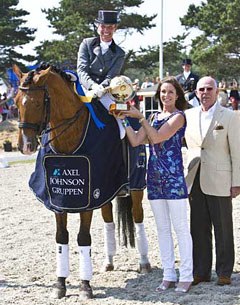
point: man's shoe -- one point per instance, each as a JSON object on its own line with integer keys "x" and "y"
{"x": 224, "y": 280}
{"x": 199, "y": 279}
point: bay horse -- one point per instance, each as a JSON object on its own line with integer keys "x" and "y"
{"x": 50, "y": 108}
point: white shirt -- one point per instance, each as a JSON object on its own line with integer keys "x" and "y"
{"x": 105, "y": 46}
{"x": 186, "y": 74}
{"x": 206, "y": 119}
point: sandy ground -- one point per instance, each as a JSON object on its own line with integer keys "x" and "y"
{"x": 27, "y": 257}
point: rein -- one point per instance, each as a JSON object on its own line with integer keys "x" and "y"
{"x": 42, "y": 128}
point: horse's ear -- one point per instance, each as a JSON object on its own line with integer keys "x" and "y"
{"x": 42, "y": 76}
{"x": 17, "y": 71}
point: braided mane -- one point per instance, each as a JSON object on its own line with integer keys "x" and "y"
{"x": 44, "y": 66}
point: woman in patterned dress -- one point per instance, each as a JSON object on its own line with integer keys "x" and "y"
{"x": 166, "y": 187}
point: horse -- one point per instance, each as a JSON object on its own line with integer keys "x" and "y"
{"x": 50, "y": 109}
{"x": 129, "y": 210}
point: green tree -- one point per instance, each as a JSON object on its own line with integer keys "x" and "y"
{"x": 146, "y": 61}
{"x": 217, "y": 49}
{"x": 13, "y": 34}
{"x": 74, "y": 20}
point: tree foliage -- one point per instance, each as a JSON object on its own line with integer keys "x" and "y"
{"x": 147, "y": 60}
{"x": 217, "y": 49}
{"x": 13, "y": 34}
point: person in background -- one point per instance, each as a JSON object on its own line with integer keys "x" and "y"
{"x": 187, "y": 79}
{"x": 222, "y": 94}
{"x": 4, "y": 107}
{"x": 157, "y": 80}
{"x": 213, "y": 161}
{"x": 100, "y": 59}
{"x": 194, "y": 102}
{"x": 147, "y": 83}
{"x": 234, "y": 95}
{"x": 166, "y": 187}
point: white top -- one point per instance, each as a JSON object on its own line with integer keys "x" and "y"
{"x": 186, "y": 74}
{"x": 105, "y": 46}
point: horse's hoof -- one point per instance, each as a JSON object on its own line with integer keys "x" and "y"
{"x": 145, "y": 268}
{"x": 108, "y": 267}
{"x": 85, "y": 291}
{"x": 60, "y": 292}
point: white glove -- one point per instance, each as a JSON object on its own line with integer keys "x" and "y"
{"x": 98, "y": 90}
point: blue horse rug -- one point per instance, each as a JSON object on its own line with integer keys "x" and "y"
{"x": 87, "y": 179}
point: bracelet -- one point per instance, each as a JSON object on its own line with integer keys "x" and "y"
{"x": 141, "y": 120}
{"x": 125, "y": 123}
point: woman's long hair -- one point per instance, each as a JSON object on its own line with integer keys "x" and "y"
{"x": 181, "y": 103}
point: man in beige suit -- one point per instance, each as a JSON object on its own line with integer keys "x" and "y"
{"x": 213, "y": 159}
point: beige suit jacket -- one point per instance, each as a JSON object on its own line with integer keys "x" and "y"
{"x": 218, "y": 153}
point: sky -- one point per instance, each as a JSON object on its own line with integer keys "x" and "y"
{"x": 172, "y": 10}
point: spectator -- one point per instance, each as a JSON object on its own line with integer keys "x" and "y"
{"x": 222, "y": 94}
{"x": 147, "y": 83}
{"x": 234, "y": 95}
{"x": 4, "y": 107}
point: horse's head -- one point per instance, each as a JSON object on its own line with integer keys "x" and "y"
{"x": 33, "y": 107}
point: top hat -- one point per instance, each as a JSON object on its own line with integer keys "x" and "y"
{"x": 108, "y": 17}
{"x": 187, "y": 61}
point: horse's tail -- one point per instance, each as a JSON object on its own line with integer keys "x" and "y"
{"x": 125, "y": 221}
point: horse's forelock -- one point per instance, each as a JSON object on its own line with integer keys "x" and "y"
{"x": 29, "y": 78}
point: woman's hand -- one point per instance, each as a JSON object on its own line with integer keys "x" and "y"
{"x": 133, "y": 113}
{"x": 119, "y": 115}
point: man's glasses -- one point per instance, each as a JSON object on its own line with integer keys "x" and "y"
{"x": 208, "y": 89}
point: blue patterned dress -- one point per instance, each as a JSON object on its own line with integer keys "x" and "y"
{"x": 165, "y": 177}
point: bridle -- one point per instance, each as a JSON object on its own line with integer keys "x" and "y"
{"x": 42, "y": 128}
{"x": 34, "y": 126}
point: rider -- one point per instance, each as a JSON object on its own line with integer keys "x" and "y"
{"x": 100, "y": 59}
{"x": 187, "y": 79}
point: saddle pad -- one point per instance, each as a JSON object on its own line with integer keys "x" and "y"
{"x": 67, "y": 181}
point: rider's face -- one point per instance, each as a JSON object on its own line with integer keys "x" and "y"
{"x": 106, "y": 31}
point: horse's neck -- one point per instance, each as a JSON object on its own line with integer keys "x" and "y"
{"x": 64, "y": 106}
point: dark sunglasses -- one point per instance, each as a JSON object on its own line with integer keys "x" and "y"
{"x": 208, "y": 89}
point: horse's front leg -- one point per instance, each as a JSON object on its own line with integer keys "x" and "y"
{"x": 109, "y": 236}
{"x": 62, "y": 254}
{"x": 85, "y": 262}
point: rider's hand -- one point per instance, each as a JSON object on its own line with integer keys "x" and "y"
{"x": 98, "y": 90}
